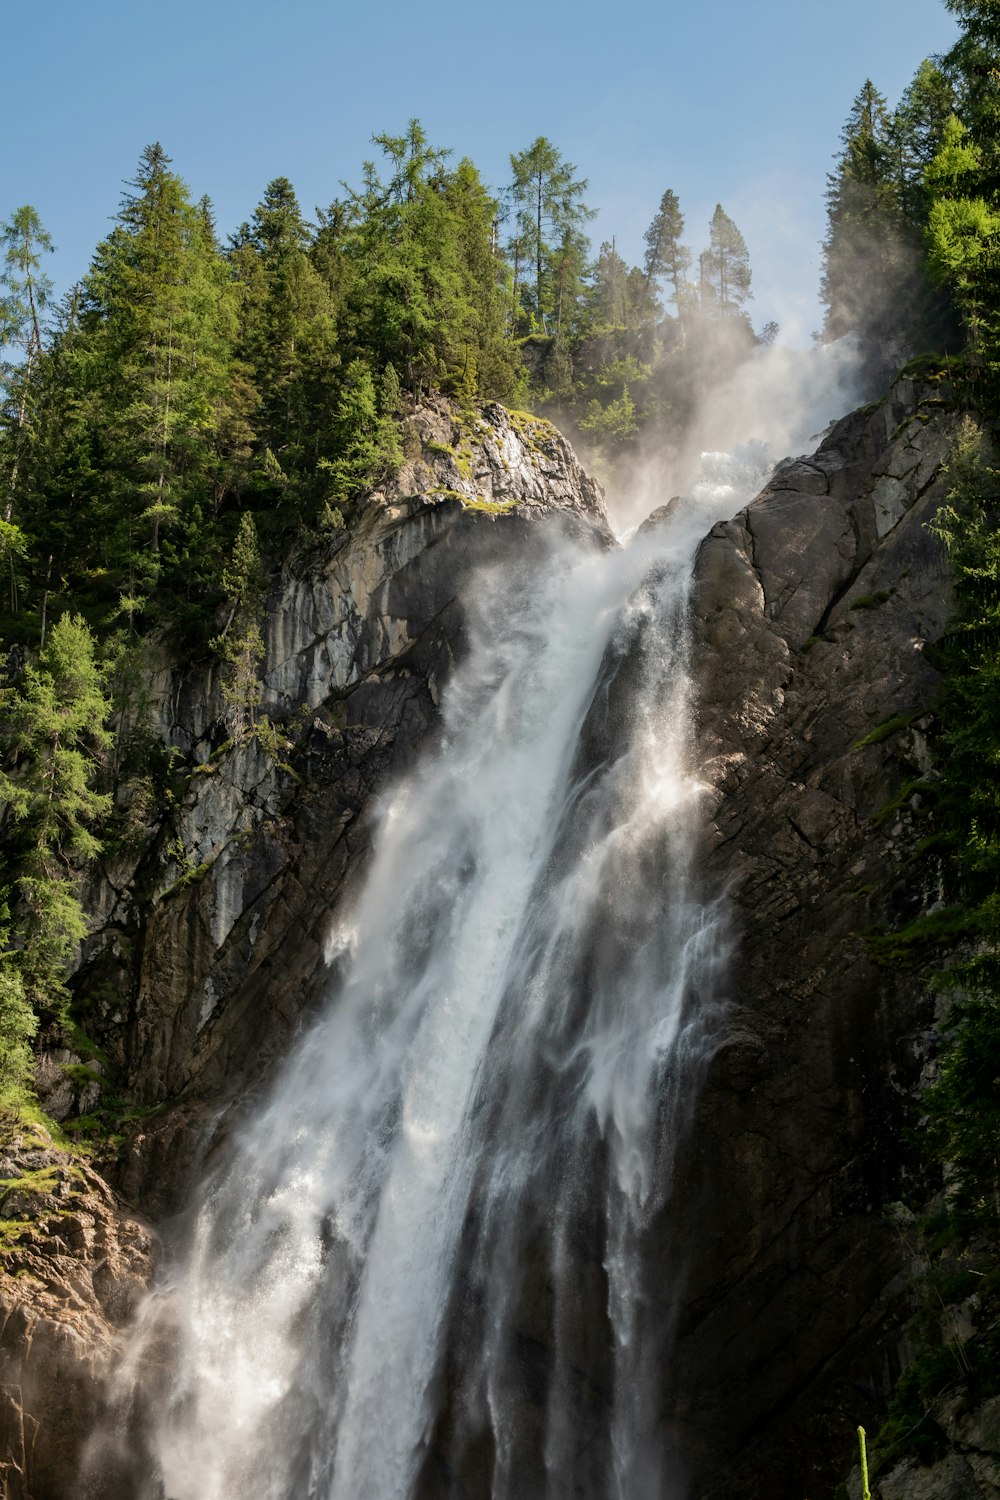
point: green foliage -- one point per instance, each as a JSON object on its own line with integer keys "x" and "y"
{"x": 884, "y": 731}
{"x": 56, "y": 742}
{"x": 666, "y": 256}
{"x": 18, "y": 1024}
{"x": 241, "y": 644}
{"x": 866, "y": 251}
{"x": 613, "y": 424}
{"x": 549, "y": 215}
{"x": 871, "y": 601}
{"x": 725, "y": 267}
{"x": 369, "y": 448}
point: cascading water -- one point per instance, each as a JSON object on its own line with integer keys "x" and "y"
{"x": 425, "y": 1255}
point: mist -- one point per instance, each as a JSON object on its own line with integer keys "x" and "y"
{"x": 773, "y": 402}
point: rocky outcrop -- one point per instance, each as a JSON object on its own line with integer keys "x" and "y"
{"x": 73, "y": 1268}
{"x": 813, "y": 608}
{"x": 969, "y": 1470}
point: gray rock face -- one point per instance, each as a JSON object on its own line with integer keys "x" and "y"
{"x": 813, "y": 608}
{"x": 969, "y": 1470}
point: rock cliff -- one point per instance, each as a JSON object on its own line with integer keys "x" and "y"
{"x": 212, "y": 924}
{"x": 814, "y": 607}
{"x": 212, "y": 930}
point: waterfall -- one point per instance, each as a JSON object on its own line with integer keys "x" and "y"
{"x": 427, "y": 1255}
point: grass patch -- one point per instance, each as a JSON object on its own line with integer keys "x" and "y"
{"x": 492, "y": 507}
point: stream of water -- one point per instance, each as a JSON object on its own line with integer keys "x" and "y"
{"x": 423, "y": 1259}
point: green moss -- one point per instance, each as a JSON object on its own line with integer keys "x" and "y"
{"x": 192, "y": 876}
{"x": 872, "y": 601}
{"x": 536, "y": 433}
{"x": 78, "y": 1039}
{"x": 917, "y": 941}
{"x": 80, "y": 1073}
{"x": 933, "y": 367}
{"x": 917, "y": 785}
{"x": 884, "y": 731}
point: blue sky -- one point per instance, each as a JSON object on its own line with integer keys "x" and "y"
{"x": 738, "y": 101}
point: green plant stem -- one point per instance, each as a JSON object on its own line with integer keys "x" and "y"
{"x": 866, "y": 1493}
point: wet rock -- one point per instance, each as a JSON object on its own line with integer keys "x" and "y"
{"x": 812, "y": 608}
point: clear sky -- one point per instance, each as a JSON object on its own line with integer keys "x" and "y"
{"x": 738, "y": 101}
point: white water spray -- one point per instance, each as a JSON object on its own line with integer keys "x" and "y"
{"x": 462, "y": 1158}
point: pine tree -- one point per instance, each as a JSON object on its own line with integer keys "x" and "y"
{"x": 725, "y": 266}
{"x": 367, "y": 436}
{"x": 862, "y": 247}
{"x": 963, "y": 231}
{"x": 916, "y": 133}
{"x": 56, "y": 742}
{"x": 153, "y": 354}
{"x": 18, "y": 1025}
{"x": 241, "y": 644}
{"x": 425, "y": 277}
{"x": 25, "y": 294}
{"x": 976, "y": 59}
{"x": 666, "y": 256}
{"x": 288, "y": 328}
{"x": 485, "y": 273}
{"x": 548, "y": 201}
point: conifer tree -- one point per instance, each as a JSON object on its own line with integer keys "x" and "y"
{"x": 151, "y": 365}
{"x": 963, "y": 232}
{"x": 288, "y": 328}
{"x": 725, "y": 266}
{"x": 18, "y": 1025}
{"x": 666, "y": 256}
{"x": 24, "y": 294}
{"x": 424, "y": 281}
{"x": 241, "y": 644}
{"x": 862, "y": 247}
{"x": 367, "y": 436}
{"x": 548, "y": 201}
{"x": 56, "y": 741}
{"x": 916, "y": 132}
{"x": 976, "y": 59}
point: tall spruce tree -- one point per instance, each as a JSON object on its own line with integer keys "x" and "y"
{"x": 56, "y": 739}
{"x": 425, "y": 277}
{"x": 547, "y": 200}
{"x": 861, "y": 253}
{"x": 666, "y": 257}
{"x": 725, "y": 267}
{"x": 152, "y": 357}
{"x": 288, "y": 331}
{"x": 24, "y": 292}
